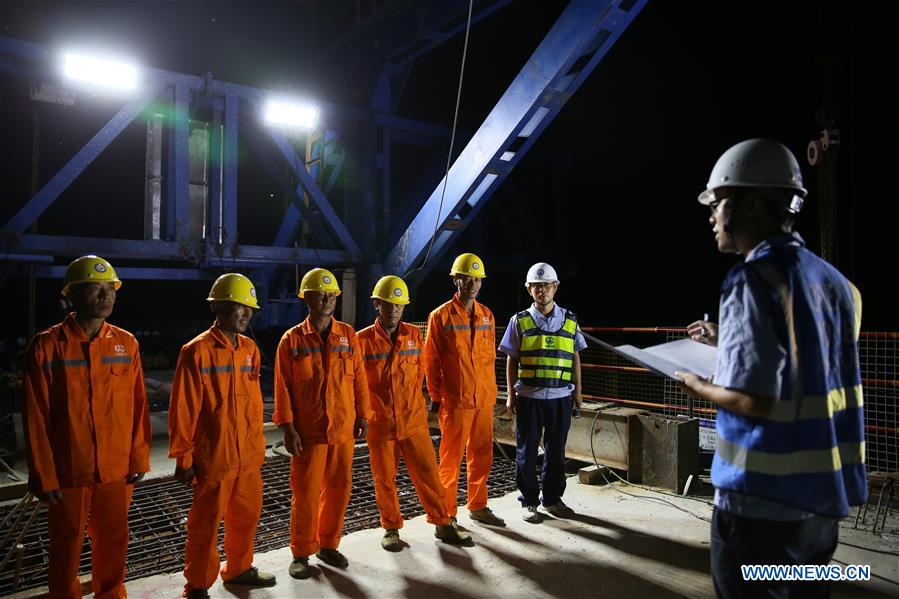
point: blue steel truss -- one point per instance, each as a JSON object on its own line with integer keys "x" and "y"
{"x": 583, "y": 34}
{"x": 580, "y": 38}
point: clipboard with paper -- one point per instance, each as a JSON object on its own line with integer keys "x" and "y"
{"x": 684, "y": 355}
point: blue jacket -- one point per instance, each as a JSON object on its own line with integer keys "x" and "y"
{"x": 789, "y": 330}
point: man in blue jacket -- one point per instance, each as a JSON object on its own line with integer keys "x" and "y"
{"x": 790, "y": 455}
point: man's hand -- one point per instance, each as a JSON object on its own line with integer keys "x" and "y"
{"x": 133, "y": 477}
{"x": 578, "y": 401}
{"x": 184, "y": 475}
{"x": 704, "y": 331}
{"x": 690, "y": 383}
{"x": 293, "y": 443}
{"x": 512, "y": 402}
{"x": 360, "y": 427}
{"x": 740, "y": 402}
{"x": 52, "y": 497}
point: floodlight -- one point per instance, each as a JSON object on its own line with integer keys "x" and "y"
{"x": 291, "y": 114}
{"x": 101, "y": 72}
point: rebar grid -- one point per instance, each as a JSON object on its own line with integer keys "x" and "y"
{"x": 159, "y": 511}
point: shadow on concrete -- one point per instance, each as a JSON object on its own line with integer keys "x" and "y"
{"x": 573, "y": 576}
{"x": 518, "y": 537}
{"x": 417, "y": 588}
{"x": 342, "y": 583}
{"x": 457, "y": 558}
{"x": 656, "y": 548}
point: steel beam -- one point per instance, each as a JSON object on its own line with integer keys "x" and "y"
{"x": 578, "y": 40}
{"x": 318, "y": 198}
{"x": 296, "y": 210}
{"x": 216, "y": 171}
{"x": 229, "y": 170}
{"x": 177, "y": 252}
{"x": 51, "y": 190}
{"x": 131, "y": 273}
{"x": 179, "y": 176}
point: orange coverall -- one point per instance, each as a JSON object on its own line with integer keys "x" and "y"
{"x": 215, "y": 427}
{"x": 88, "y": 427}
{"x": 320, "y": 388}
{"x": 460, "y": 352}
{"x": 399, "y": 423}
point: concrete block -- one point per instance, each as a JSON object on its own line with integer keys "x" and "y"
{"x": 593, "y": 475}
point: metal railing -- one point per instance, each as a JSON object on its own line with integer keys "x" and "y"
{"x": 608, "y": 377}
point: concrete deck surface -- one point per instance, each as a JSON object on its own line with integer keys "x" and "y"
{"x": 619, "y": 545}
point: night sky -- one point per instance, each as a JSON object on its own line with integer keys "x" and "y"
{"x": 608, "y": 193}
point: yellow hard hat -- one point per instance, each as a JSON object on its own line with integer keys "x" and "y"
{"x": 233, "y": 287}
{"x": 391, "y": 289}
{"x": 89, "y": 269}
{"x": 468, "y": 264}
{"x": 319, "y": 279}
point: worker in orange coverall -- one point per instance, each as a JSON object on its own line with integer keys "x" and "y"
{"x": 460, "y": 353}
{"x": 88, "y": 431}
{"x": 215, "y": 433}
{"x": 399, "y": 424}
{"x": 321, "y": 405}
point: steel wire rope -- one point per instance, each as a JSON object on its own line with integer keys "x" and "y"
{"x": 449, "y": 156}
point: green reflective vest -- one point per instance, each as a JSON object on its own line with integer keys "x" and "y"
{"x": 546, "y": 359}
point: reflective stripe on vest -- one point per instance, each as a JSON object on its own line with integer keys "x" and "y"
{"x": 546, "y": 359}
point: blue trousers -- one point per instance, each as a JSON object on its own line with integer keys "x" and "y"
{"x": 549, "y": 418}
{"x": 740, "y": 541}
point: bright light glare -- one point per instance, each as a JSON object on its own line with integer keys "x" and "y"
{"x": 279, "y": 112}
{"x": 105, "y": 73}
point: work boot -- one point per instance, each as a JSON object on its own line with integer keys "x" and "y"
{"x": 559, "y": 510}
{"x": 195, "y": 594}
{"x": 252, "y": 578}
{"x": 332, "y": 557}
{"x": 485, "y": 516}
{"x": 451, "y": 536}
{"x": 391, "y": 540}
{"x": 531, "y": 514}
{"x": 300, "y": 568}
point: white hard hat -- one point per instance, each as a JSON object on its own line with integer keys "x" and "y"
{"x": 756, "y": 163}
{"x": 541, "y": 273}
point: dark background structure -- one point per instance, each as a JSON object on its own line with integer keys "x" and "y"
{"x": 607, "y": 194}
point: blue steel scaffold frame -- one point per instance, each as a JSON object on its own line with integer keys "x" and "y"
{"x": 366, "y": 237}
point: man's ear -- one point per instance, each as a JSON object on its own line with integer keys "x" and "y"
{"x": 755, "y": 203}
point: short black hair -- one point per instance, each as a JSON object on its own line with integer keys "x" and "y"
{"x": 776, "y": 201}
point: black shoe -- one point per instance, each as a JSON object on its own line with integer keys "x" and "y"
{"x": 300, "y": 568}
{"x": 252, "y": 578}
{"x": 332, "y": 557}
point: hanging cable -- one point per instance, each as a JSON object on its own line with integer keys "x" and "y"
{"x": 449, "y": 156}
